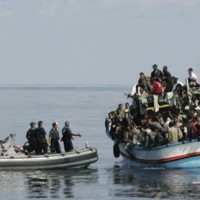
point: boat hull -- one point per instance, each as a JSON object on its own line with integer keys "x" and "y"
{"x": 76, "y": 158}
{"x": 177, "y": 155}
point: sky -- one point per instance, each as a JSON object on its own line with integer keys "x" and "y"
{"x": 96, "y": 42}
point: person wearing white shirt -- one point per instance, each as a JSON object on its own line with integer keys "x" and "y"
{"x": 192, "y": 75}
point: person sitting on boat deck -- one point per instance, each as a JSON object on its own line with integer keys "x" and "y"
{"x": 177, "y": 90}
{"x": 198, "y": 129}
{"x": 193, "y": 84}
{"x": 197, "y": 109}
{"x": 173, "y": 133}
{"x": 193, "y": 128}
{"x": 113, "y": 124}
{"x": 128, "y": 135}
{"x": 192, "y": 75}
{"x": 157, "y": 127}
{"x": 195, "y": 91}
{"x": 143, "y": 95}
{"x": 41, "y": 137}
{"x": 30, "y": 136}
{"x": 184, "y": 129}
{"x": 54, "y": 138}
{"x": 108, "y": 121}
{"x": 68, "y": 137}
{"x": 145, "y": 82}
{"x": 127, "y": 111}
{"x": 153, "y": 137}
{"x": 156, "y": 73}
{"x": 178, "y": 123}
{"x": 142, "y": 137}
{"x": 165, "y": 125}
{"x": 120, "y": 112}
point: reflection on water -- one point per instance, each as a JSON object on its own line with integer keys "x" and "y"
{"x": 45, "y": 184}
{"x": 59, "y": 183}
{"x": 112, "y": 182}
{"x": 38, "y": 187}
{"x": 155, "y": 183}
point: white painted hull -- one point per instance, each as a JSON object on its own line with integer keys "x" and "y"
{"x": 76, "y": 158}
{"x": 177, "y": 155}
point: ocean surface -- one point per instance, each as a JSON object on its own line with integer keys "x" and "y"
{"x": 86, "y": 108}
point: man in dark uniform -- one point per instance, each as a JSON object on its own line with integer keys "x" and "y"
{"x": 54, "y": 138}
{"x": 30, "y": 135}
{"x": 68, "y": 137}
{"x": 40, "y": 133}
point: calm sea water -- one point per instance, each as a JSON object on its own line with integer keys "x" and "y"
{"x": 109, "y": 178}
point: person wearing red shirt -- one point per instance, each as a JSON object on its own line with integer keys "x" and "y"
{"x": 156, "y": 87}
{"x": 156, "y": 91}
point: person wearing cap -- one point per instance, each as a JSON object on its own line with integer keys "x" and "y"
{"x": 54, "y": 138}
{"x": 30, "y": 136}
{"x": 68, "y": 137}
{"x": 41, "y": 136}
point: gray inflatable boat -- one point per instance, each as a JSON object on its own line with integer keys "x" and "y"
{"x": 12, "y": 157}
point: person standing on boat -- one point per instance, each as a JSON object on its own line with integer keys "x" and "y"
{"x": 156, "y": 73}
{"x": 54, "y": 138}
{"x": 167, "y": 78}
{"x": 30, "y": 136}
{"x": 156, "y": 91}
{"x": 68, "y": 137}
{"x": 41, "y": 137}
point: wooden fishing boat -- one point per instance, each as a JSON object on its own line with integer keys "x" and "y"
{"x": 176, "y": 155}
{"x": 182, "y": 154}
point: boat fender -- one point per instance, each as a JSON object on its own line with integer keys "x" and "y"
{"x": 116, "y": 151}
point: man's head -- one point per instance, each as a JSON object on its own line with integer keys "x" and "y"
{"x": 32, "y": 124}
{"x": 165, "y": 68}
{"x": 67, "y": 123}
{"x": 55, "y": 124}
{"x": 190, "y": 70}
{"x": 155, "y": 66}
{"x": 40, "y": 123}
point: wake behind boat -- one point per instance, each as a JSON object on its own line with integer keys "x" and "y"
{"x": 161, "y": 126}
{"x": 14, "y": 157}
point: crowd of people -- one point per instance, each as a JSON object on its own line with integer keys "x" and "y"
{"x": 39, "y": 140}
{"x": 162, "y": 111}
